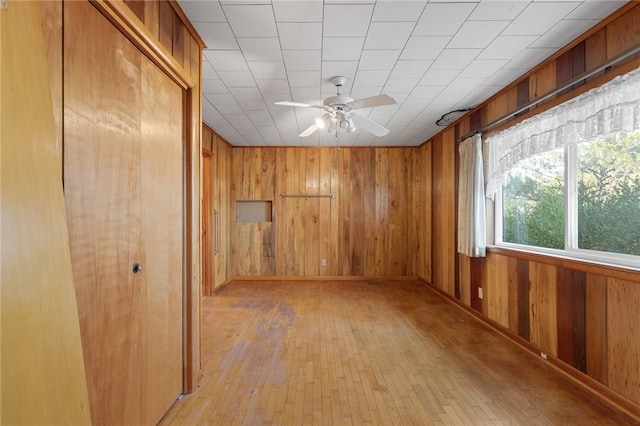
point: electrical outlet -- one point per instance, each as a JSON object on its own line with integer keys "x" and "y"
{"x": 480, "y": 294}
{"x": 323, "y": 262}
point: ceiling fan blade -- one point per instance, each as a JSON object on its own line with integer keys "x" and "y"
{"x": 308, "y": 131}
{"x": 368, "y": 125}
{"x": 298, "y": 104}
{"x": 373, "y": 101}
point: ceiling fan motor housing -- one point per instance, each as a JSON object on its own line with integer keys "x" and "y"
{"x": 338, "y": 102}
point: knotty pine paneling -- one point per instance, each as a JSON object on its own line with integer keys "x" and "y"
{"x": 623, "y": 316}
{"x": 443, "y": 210}
{"x": 580, "y": 312}
{"x": 221, "y": 202}
{"x": 365, "y": 230}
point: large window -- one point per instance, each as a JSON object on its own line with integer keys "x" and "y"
{"x": 567, "y": 181}
{"x": 584, "y": 199}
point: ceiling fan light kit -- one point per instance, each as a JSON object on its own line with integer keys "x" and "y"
{"x": 339, "y": 113}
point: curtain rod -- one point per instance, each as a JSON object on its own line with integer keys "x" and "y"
{"x": 554, "y": 92}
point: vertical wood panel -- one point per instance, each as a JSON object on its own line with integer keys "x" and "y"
{"x": 571, "y": 317}
{"x": 596, "y": 328}
{"x": 514, "y": 293}
{"x": 465, "y": 279}
{"x": 165, "y": 22}
{"x": 623, "y": 316}
{"x": 382, "y": 210}
{"x": 422, "y": 210}
{"x": 623, "y": 33}
{"x": 544, "y": 324}
{"x": 497, "y": 289}
{"x": 42, "y": 369}
{"x": 524, "y": 287}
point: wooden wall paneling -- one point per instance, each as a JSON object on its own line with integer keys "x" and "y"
{"x": 596, "y": 51}
{"x": 267, "y": 177}
{"x": 325, "y": 223}
{"x": 402, "y": 243}
{"x": 476, "y": 281}
{"x": 382, "y": 248}
{"x": 222, "y": 202}
{"x": 179, "y": 32}
{"x": 165, "y": 30}
{"x": 311, "y": 211}
{"x": 513, "y": 291}
{"x": 356, "y": 212}
{"x": 344, "y": 182}
{"x": 51, "y": 12}
{"x": 137, "y": 7}
{"x": 624, "y": 32}
{"x": 42, "y": 377}
{"x": 208, "y": 226}
{"x": 524, "y": 291}
{"x": 464, "y": 263}
{"x": 152, "y": 17}
{"x": 596, "y": 328}
{"x": 443, "y": 202}
{"x": 571, "y": 296}
{"x": 236, "y": 194}
{"x": 542, "y": 81}
{"x": 334, "y": 239}
{"x": 422, "y": 210}
{"x": 372, "y": 231}
{"x": 497, "y": 288}
{"x": 623, "y": 315}
{"x": 497, "y": 107}
{"x": 543, "y": 301}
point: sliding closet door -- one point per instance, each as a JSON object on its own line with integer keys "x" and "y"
{"x": 123, "y": 182}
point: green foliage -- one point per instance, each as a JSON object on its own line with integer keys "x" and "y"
{"x": 608, "y": 198}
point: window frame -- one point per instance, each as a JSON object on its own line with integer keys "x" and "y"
{"x": 571, "y": 249}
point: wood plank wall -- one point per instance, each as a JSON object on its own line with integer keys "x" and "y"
{"x": 220, "y": 151}
{"x": 578, "y": 313}
{"x": 172, "y": 33}
{"x": 382, "y": 198}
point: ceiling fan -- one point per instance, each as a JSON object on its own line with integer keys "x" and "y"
{"x": 338, "y": 112}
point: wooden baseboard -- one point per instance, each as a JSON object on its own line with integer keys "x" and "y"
{"x": 600, "y": 391}
{"x": 219, "y": 288}
{"x": 319, "y": 278}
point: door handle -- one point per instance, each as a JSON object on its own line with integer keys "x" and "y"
{"x": 136, "y": 268}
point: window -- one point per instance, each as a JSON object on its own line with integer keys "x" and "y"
{"x": 567, "y": 181}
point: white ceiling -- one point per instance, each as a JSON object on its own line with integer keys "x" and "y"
{"x": 432, "y": 56}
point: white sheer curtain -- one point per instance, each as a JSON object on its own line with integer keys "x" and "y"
{"x": 610, "y": 108}
{"x": 472, "y": 228}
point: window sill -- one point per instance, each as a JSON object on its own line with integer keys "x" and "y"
{"x": 609, "y": 270}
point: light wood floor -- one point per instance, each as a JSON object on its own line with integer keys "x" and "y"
{"x": 368, "y": 353}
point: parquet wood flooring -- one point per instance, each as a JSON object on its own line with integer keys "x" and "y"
{"x": 368, "y": 353}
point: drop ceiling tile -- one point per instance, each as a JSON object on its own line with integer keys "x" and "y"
{"x": 438, "y": 77}
{"x": 375, "y": 60}
{"x": 342, "y": 48}
{"x": 261, "y": 118}
{"x": 388, "y": 35}
{"x": 504, "y": 10}
{"x": 507, "y": 47}
{"x": 268, "y": 70}
{"x": 273, "y": 87}
{"x": 302, "y": 60}
{"x": 595, "y": 9}
{"x": 400, "y": 10}
{"x": 296, "y": 35}
{"x": 425, "y": 92}
{"x": 306, "y": 95}
{"x": 424, "y": 47}
{"x": 208, "y": 73}
{"x": 261, "y": 49}
{"x": 455, "y": 59}
{"x": 252, "y": 105}
{"x": 213, "y": 86}
{"x": 199, "y": 11}
{"x": 226, "y": 60}
{"x": 221, "y": 99}
{"x": 539, "y": 17}
{"x": 410, "y": 69}
{"x": 360, "y": 92}
{"x": 463, "y": 84}
{"x": 504, "y": 77}
{"x": 563, "y": 32}
{"x": 245, "y": 93}
{"x": 251, "y": 20}
{"x": 298, "y": 11}
{"x": 400, "y": 85}
{"x": 304, "y": 78}
{"x": 529, "y": 58}
{"x": 217, "y": 35}
{"x": 331, "y": 69}
{"x": 442, "y": 19}
{"x": 270, "y": 134}
{"x": 239, "y": 121}
{"x": 477, "y": 34}
{"x": 237, "y": 78}
{"x": 347, "y": 20}
{"x": 371, "y": 78}
{"x": 482, "y": 68}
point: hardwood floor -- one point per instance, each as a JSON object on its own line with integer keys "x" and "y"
{"x": 376, "y": 353}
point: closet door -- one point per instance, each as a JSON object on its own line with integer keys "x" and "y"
{"x": 123, "y": 182}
